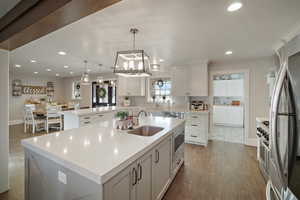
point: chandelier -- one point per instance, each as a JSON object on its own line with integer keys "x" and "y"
{"x": 132, "y": 63}
{"x": 85, "y": 78}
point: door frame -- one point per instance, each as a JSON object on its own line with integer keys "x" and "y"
{"x": 246, "y": 73}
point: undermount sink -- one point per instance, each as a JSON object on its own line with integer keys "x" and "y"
{"x": 146, "y": 130}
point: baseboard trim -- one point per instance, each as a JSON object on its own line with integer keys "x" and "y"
{"x": 15, "y": 122}
{"x": 251, "y": 142}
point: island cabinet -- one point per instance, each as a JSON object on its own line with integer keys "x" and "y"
{"x": 196, "y": 128}
{"x": 161, "y": 169}
{"x": 145, "y": 179}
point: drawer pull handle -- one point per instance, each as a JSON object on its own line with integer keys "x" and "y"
{"x": 87, "y": 122}
{"x": 194, "y": 125}
{"x": 194, "y": 117}
{"x": 87, "y": 118}
{"x": 100, "y": 115}
{"x": 194, "y": 136}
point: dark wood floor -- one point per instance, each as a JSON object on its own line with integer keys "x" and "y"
{"x": 221, "y": 171}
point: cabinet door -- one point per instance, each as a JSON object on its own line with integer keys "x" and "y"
{"x": 122, "y": 186}
{"x": 131, "y": 86}
{"x": 144, "y": 186}
{"x": 197, "y": 81}
{"x": 220, "y": 88}
{"x": 161, "y": 168}
{"x": 236, "y": 88}
{"x": 179, "y": 82}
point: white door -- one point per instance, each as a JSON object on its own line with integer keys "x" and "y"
{"x": 161, "y": 168}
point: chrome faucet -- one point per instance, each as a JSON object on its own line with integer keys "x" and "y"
{"x": 138, "y": 116}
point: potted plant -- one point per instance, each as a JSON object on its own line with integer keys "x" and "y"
{"x": 126, "y": 101}
{"x": 122, "y": 122}
{"x": 122, "y": 115}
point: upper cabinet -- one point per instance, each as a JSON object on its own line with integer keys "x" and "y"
{"x": 131, "y": 86}
{"x": 190, "y": 81}
{"x": 228, "y": 88}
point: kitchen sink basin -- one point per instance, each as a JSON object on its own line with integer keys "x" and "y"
{"x": 146, "y": 130}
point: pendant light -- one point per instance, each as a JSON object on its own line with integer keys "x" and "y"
{"x": 85, "y": 78}
{"x": 155, "y": 67}
{"x": 132, "y": 62}
{"x": 100, "y": 80}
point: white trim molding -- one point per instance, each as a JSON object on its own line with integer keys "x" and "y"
{"x": 16, "y": 122}
{"x": 251, "y": 142}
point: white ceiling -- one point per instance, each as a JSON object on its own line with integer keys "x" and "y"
{"x": 178, "y": 31}
{"x": 7, "y": 5}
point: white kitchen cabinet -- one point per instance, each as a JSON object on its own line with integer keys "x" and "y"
{"x": 179, "y": 82}
{"x": 122, "y": 186}
{"x": 190, "y": 81}
{"x": 161, "y": 169}
{"x": 228, "y": 88}
{"x": 228, "y": 115}
{"x": 196, "y": 128}
{"x": 144, "y": 180}
{"x": 131, "y": 86}
{"x": 133, "y": 183}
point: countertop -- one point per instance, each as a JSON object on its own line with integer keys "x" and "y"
{"x": 98, "y": 152}
{"x": 98, "y": 110}
{"x": 105, "y": 109}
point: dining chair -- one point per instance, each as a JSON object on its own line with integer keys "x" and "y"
{"x": 53, "y": 117}
{"x": 31, "y": 120}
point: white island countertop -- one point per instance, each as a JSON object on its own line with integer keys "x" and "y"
{"x": 98, "y": 152}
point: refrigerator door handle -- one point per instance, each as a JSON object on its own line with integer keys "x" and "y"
{"x": 268, "y": 190}
{"x": 274, "y": 118}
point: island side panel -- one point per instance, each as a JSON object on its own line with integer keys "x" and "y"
{"x": 71, "y": 121}
{"x": 47, "y": 180}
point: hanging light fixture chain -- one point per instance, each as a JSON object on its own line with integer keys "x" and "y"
{"x": 134, "y": 31}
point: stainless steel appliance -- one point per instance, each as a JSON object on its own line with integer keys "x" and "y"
{"x": 263, "y": 149}
{"x": 285, "y": 114}
{"x": 178, "y": 148}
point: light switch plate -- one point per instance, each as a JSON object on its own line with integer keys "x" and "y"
{"x": 62, "y": 177}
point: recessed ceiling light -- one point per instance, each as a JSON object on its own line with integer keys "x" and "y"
{"x": 89, "y": 70}
{"x": 71, "y": 72}
{"x": 66, "y": 66}
{"x": 161, "y": 60}
{"x": 228, "y": 53}
{"x": 234, "y": 6}
{"x": 35, "y": 72}
{"x": 33, "y": 61}
{"x": 48, "y": 70}
{"x": 62, "y": 53}
{"x": 57, "y": 75}
{"x": 17, "y": 65}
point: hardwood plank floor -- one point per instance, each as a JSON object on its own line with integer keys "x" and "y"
{"x": 221, "y": 171}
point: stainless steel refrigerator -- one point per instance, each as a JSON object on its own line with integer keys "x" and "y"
{"x": 284, "y": 163}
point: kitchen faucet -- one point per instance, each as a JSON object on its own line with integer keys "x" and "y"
{"x": 138, "y": 115}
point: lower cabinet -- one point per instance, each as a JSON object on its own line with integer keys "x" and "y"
{"x": 196, "y": 128}
{"x": 161, "y": 169}
{"x": 145, "y": 179}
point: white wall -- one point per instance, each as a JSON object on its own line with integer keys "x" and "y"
{"x": 4, "y": 144}
{"x": 16, "y": 104}
{"x": 258, "y": 68}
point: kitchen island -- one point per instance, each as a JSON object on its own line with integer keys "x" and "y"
{"x": 100, "y": 162}
{"x": 83, "y": 117}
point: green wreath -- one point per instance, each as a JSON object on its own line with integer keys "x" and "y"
{"x": 101, "y": 93}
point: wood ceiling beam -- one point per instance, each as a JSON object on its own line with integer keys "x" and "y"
{"x": 43, "y": 17}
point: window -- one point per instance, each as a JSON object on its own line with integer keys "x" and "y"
{"x": 160, "y": 90}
